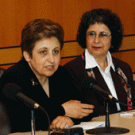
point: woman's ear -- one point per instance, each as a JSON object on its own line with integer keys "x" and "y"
{"x": 26, "y": 56}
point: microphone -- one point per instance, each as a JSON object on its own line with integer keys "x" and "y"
{"x": 90, "y": 83}
{"x": 14, "y": 92}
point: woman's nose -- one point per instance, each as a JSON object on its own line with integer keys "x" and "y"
{"x": 51, "y": 58}
{"x": 97, "y": 39}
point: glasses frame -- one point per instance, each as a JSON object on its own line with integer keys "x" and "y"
{"x": 100, "y": 35}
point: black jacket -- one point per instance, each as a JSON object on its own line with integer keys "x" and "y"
{"x": 61, "y": 90}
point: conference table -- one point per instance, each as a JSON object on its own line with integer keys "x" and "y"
{"x": 116, "y": 120}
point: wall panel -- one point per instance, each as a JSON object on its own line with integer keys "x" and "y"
{"x": 127, "y": 56}
{"x": 72, "y": 49}
{"x": 15, "y": 14}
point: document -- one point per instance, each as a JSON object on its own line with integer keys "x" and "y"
{"x": 90, "y": 125}
{"x": 128, "y": 113}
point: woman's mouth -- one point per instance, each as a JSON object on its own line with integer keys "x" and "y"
{"x": 50, "y": 67}
{"x": 96, "y": 47}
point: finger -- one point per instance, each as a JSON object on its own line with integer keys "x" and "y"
{"x": 60, "y": 124}
{"x": 66, "y": 123}
{"x": 55, "y": 121}
{"x": 86, "y": 112}
{"x": 63, "y": 125}
{"x": 87, "y": 106}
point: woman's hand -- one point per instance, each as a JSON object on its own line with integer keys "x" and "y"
{"x": 61, "y": 122}
{"x": 76, "y": 109}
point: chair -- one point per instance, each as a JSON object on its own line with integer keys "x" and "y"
{"x": 1, "y": 71}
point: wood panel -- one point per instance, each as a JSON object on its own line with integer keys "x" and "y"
{"x": 6, "y": 66}
{"x": 66, "y": 60}
{"x": 70, "y": 49}
{"x": 127, "y": 57}
{"x": 128, "y": 43}
{"x": 15, "y": 14}
{"x": 10, "y": 55}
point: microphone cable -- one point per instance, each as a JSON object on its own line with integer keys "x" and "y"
{"x": 42, "y": 109}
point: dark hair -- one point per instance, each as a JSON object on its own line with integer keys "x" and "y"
{"x": 37, "y": 30}
{"x": 105, "y": 16}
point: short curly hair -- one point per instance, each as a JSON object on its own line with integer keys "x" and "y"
{"x": 107, "y": 17}
{"x": 37, "y": 30}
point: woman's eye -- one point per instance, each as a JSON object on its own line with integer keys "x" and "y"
{"x": 103, "y": 34}
{"x": 56, "y": 51}
{"x": 43, "y": 52}
{"x": 92, "y": 34}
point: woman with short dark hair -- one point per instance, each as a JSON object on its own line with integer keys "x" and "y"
{"x": 39, "y": 77}
{"x": 37, "y": 30}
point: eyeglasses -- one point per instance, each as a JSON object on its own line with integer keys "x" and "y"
{"x": 101, "y": 35}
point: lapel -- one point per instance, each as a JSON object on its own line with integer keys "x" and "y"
{"x": 117, "y": 84}
{"x": 101, "y": 82}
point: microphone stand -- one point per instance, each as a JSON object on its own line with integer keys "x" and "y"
{"x": 107, "y": 130}
{"x": 32, "y": 122}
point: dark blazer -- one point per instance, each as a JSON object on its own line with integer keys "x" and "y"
{"x": 60, "y": 88}
{"x": 76, "y": 68}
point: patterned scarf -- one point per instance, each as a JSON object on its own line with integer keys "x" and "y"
{"x": 126, "y": 86}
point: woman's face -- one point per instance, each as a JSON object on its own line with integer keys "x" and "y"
{"x": 45, "y": 57}
{"x": 98, "y": 40}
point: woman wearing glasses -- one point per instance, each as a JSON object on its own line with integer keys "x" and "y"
{"x": 100, "y": 32}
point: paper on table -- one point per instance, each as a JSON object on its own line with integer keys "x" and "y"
{"x": 131, "y": 113}
{"x": 90, "y": 125}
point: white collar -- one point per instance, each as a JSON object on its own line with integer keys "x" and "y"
{"x": 90, "y": 61}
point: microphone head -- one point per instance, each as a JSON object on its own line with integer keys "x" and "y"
{"x": 88, "y": 83}
{"x": 10, "y": 90}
